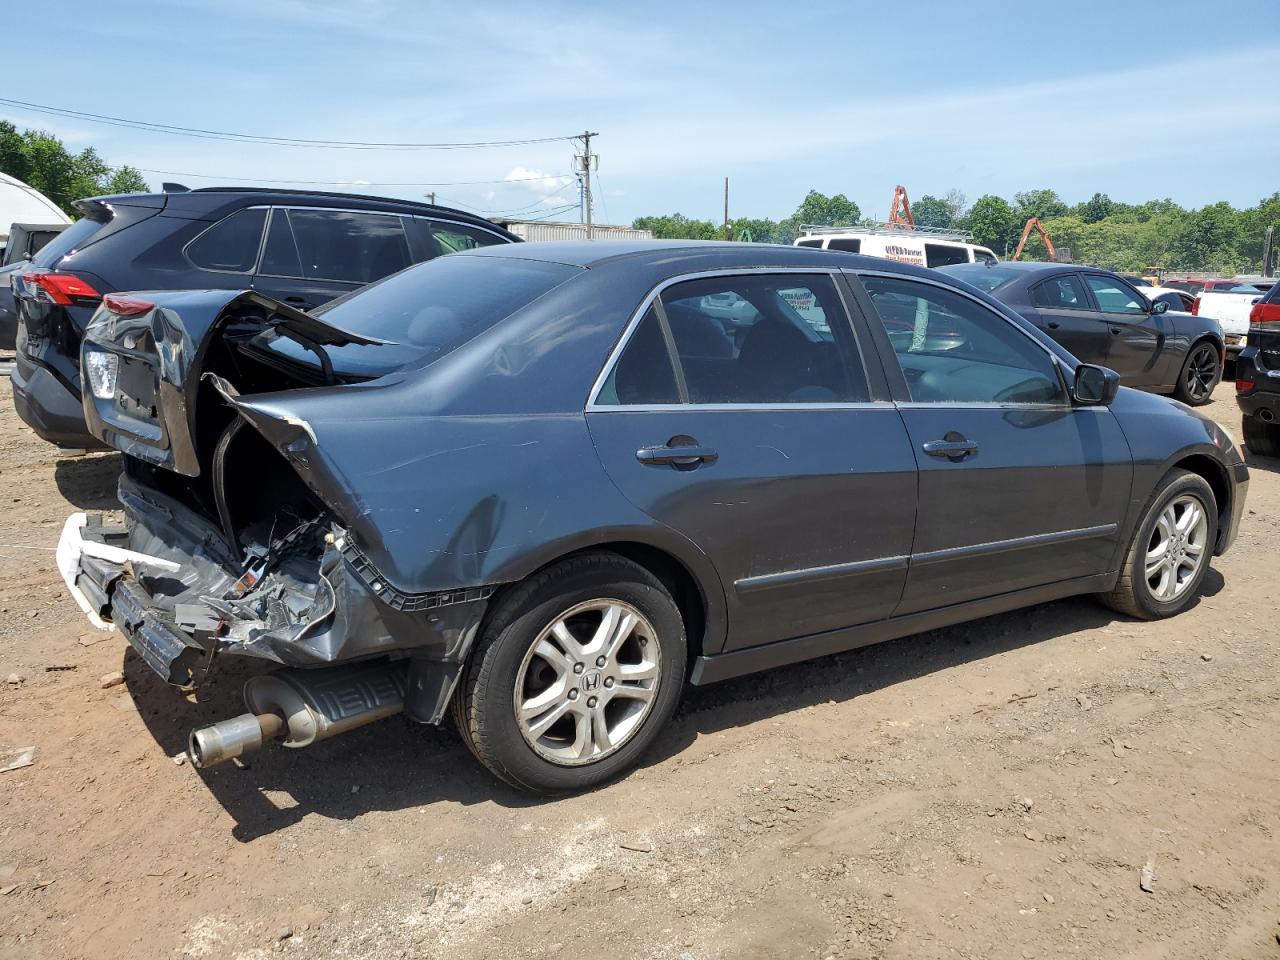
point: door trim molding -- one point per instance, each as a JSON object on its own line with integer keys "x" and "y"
{"x": 1015, "y": 543}
{"x": 810, "y": 574}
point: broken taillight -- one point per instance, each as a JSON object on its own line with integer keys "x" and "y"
{"x": 125, "y": 305}
{"x": 62, "y": 288}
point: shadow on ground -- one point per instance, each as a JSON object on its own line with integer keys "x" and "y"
{"x": 89, "y": 482}
{"x": 399, "y": 765}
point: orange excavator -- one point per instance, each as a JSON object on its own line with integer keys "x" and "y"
{"x": 900, "y": 210}
{"x": 1035, "y": 224}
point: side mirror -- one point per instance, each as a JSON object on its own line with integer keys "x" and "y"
{"x": 1159, "y": 307}
{"x": 1095, "y": 385}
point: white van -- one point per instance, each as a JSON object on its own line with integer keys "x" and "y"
{"x": 923, "y": 246}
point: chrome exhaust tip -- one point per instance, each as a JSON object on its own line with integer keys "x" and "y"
{"x": 235, "y": 737}
{"x": 299, "y": 707}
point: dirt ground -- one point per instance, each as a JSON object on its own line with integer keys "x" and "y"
{"x": 987, "y": 791}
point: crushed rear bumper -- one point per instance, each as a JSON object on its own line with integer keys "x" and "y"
{"x": 164, "y": 580}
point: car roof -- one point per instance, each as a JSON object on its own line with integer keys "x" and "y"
{"x": 709, "y": 254}
{"x": 210, "y": 198}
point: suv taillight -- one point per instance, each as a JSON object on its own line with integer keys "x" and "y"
{"x": 62, "y": 288}
{"x": 1265, "y": 313}
{"x": 1195, "y": 307}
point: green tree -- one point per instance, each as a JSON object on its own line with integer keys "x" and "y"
{"x": 932, "y": 212}
{"x": 43, "y": 161}
{"x": 1043, "y": 204}
{"x": 1098, "y": 207}
{"x": 992, "y": 222}
{"x": 1207, "y": 240}
{"x": 677, "y": 226}
{"x": 820, "y": 210}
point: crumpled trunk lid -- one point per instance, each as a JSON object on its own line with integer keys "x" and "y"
{"x": 145, "y": 356}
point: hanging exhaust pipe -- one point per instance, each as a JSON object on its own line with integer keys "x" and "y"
{"x": 300, "y": 707}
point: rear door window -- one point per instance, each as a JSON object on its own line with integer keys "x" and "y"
{"x": 280, "y": 254}
{"x": 435, "y": 238}
{"x": 347, "y": 245}
{"x": 1060, "y": 293}
{"x": 941, "y": 254}
{"x": 231, "y": 245}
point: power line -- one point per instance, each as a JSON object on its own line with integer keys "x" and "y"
{"x": 527, "y": 206}
{"x": 202, "y": 134}
{"x": 354, "y": 183}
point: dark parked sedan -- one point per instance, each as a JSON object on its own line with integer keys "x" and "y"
{"x": 302, "y": 247}
{"x": 1102, "y": 319}
{"x": 582, "y": 474}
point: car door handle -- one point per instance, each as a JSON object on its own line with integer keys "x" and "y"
{"x": 1117, "y": 330}
{"x": 677, "y": 456}
{"x": 953, "y": 449}
{"x": 1053, "y": 324}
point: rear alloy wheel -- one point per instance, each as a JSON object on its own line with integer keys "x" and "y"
{"x": 576, "y": 672}
{"x": 1262, "y": 439}
{"x": 1201, "y": 372}
{"x": 1170, "y": 551}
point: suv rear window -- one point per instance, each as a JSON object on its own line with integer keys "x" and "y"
{"x": 72, "y": 238}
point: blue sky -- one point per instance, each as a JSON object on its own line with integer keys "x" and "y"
{"x": 1134, "y": 100}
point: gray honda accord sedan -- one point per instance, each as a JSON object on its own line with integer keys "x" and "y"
{"x": 541, "y": 487}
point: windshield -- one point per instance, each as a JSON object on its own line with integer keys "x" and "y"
{"x": 983, "y": 276}
{"x": 431, "y": 309}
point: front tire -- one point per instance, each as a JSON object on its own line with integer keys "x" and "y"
{"x": 576, "y": 672}
{"x": 1201, "y": 372}
{"x": 1169, "y": 555}
{"x": 1262, "y": 439}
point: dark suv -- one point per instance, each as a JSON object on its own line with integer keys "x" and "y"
{"x": 302, "y": 248}
{"x": 1258, "y": 377}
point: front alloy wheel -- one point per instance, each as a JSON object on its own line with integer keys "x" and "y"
{"x": 1177, "y": 548}
{"x": 587, "y": 682}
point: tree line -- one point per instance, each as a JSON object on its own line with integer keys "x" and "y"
{"x": 42, "y": 161}
{"x": 1216, "y": 238}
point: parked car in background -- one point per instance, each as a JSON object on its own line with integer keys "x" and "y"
{"x": 1179, "y": 300}
{"x": 1230, "y": 304}
{"x": 303, "y": 248}
{"x": 922, "y": 246}
{"x": 25, "y": 241}
{"x": 586, "y": 473}
{"x": 1258, "y": 377}
{"x": 1101, "y": 319}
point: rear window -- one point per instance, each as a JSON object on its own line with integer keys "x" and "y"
{"x": 983, "y": 276}
{"x": 845, "y": 245}
{"x": 72, "y": 238}
{"x": 230, "y": 245}
{"x": 808, "y": 243}
{"x": 941, "y": 255}
{"x": 349, "y": 246}
{"x": 436, "y": 307}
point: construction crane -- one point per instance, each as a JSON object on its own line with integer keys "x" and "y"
{"x": 900, "y": 210}
{"x": 1035, "y": 224}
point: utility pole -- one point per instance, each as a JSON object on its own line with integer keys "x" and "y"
{"x": 431, "y": 198}
{"x": 726, "y": 208}
{"x": 1267, "y": 242}
{"x": 586, "y": 162}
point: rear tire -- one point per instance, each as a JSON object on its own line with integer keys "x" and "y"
{"x": 1201, "y": 372}
{"x": 1262, "y": 439}
{"x": 576, "y": 672}
{"x": 1169, "y": 555}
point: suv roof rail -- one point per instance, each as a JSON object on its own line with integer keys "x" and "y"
{"x": 285, "y": 191}
{"x": 884, "y": 227}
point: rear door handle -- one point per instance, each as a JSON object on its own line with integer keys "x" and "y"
{"x": 1117, "y": 330}
{"x": 953, "y": 448}
{"x": 1053, "y": 324}
{"x": 680, "y": 455}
